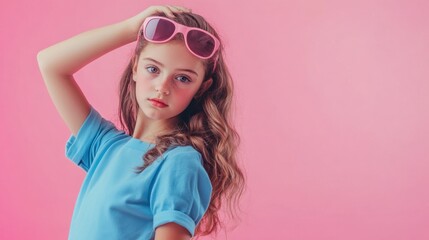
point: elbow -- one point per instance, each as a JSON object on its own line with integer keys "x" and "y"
{"x": 47, "y": 67}
{"x": 50, "y": 64}
{"x": 47, "y": 64}
{"x": 41, "y": 60}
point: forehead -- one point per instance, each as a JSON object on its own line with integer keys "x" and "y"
{"x": 172, "y": 54}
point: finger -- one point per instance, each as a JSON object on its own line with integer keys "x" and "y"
{"x": 168, "y": 11}
{"x": 175, "y": 9}
{"x": 182, "y": 9}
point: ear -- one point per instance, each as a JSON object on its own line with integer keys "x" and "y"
{"x": 135, "y": 69}
{"x": 204, "y": 86}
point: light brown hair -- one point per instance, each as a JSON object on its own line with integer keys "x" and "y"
{"x": 205, "y": 124}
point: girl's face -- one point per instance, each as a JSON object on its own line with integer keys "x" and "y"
{"x": 167, "y": 77}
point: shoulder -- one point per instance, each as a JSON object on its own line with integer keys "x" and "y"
{"x": 183, "y": 153}
{"x": 181, "y": 173}
{"x": 94, "y": 137}
{"x": 98, "y": 123}
{"x": 182, "y": 158}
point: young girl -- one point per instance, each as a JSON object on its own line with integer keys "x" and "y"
{"x": 167, "y": 174}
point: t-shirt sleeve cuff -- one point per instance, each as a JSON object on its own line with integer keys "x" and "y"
{"x": 77, "y": 146}
{"x": 176, "y": 217}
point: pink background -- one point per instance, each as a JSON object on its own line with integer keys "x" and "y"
{"x": 332, "y": 107}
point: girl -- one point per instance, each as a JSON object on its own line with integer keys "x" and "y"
{"x": 166, "y": 175}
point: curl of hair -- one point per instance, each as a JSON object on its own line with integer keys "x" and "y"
{"x": 205, "y": 124}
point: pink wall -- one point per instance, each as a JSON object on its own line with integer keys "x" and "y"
{"x": 333, "y": 111}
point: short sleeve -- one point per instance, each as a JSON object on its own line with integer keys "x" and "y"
{"x": 83, "y": 147}
{"x": 181, "y": 190}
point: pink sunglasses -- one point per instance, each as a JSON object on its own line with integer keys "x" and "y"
{"x": 201, "y": 43}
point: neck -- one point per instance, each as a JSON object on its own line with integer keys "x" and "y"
{"x": 147, "y": 130}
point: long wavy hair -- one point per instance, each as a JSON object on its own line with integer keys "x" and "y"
{"x": 205, "y": 124}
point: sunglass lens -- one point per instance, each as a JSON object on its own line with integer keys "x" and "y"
{"x": 159, "y": 29}
{"x": 200, "y": 43}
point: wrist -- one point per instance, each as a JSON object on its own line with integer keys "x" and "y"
{"x": 130, "y": 29}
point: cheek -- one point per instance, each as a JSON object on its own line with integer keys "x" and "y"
{"x": 184, "y": 97}
{"x": 142, "y": 82}
{"x": 142, "y": 92}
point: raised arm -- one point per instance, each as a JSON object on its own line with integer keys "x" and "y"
{"x": 59, "y": 62}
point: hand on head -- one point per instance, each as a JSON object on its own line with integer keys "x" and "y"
{"x": 137, "y": 20}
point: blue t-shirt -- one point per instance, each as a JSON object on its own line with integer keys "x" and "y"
{"x": 114, "y": 202}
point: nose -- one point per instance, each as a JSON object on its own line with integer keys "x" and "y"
{"x": 162, "y": 85}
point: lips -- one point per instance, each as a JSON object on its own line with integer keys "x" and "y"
{"x": 157, "y": 102}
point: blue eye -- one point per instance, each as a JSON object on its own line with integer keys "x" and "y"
{"x": 152, "y": 69}
{"x": 183, "y": 79}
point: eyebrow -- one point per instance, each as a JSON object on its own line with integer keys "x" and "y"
{"x": 180, "y": 69}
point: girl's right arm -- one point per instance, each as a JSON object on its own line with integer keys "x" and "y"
{"x": 59, "y": 62}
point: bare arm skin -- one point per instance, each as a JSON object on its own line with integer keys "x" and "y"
{"x": 171, "y": 231}
{"x": 59, "y": 62}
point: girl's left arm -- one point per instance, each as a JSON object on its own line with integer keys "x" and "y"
{"x": 171, "y": 231}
